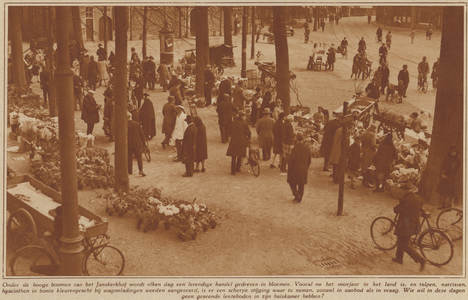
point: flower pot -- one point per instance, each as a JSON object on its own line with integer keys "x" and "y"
{"x": 167, "y": 225}
{"x": 111, "y": 212}
{"x": 205, "y": 227}
{"x": 213, "y": 225}
{"x": 194, "y": 236}
{"x": 155, "y": 224}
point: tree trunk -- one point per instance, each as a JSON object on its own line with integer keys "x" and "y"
{"x": 120, "y": 107}
{"x": 105, "y": 30}
{"x": 51, "y": 60}
{"x": 315, "y": 17}
{"x": 252, "y": 50}
{"x": 145, "y": 20}
{"x": 18, "y": 72}
{"x": 448, "y": 112}
{"x": 282, "y": 56}
{"x": 227, "y": 26}
{"x": 131, "y": 22}
{"x": 77, "y": 33}
{"x": 186, "y": 22}
{"x": 202, "y": 45}
{"x": 244, "y": 42}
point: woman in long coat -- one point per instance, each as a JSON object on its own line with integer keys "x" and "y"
{"x": 298, "y": 168}
{"x": 265, "y": 133}
{"x": 240, "y": 134}
{"x": 277, "y": 141}
{"x": 169, "y": 112}
{"x": 448, "y": 171}
{"x": 148, "y": 118}
{"x": 164, "y": 75}
{"x": 327, "y": 142}
{"x": 225, "y": 112}
{"x": 384, "y": 80}
{"x": 202, "y": 145}
{"x": 382, "y": 160}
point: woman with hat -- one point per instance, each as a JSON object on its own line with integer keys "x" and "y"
{"x": 240, "y": 136}
{"x": 299, "y": 163}
{"x": 265, "y": 133}
{"x": 189, "y": 146}
{"x": 169, "y": 113}
{"x": 148, "y": 118}
{"x": 202, "y": 145}
{"x": 278, "y": 109}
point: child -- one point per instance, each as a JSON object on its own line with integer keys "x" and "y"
{"x": 354, "y": 160}
{"x": 401, "y": 91}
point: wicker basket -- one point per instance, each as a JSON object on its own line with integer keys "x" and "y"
{"x": 397, "y": 192}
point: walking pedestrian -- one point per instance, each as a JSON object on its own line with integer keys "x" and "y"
{"x": 45, "y": 79}
{"x": 354, "y": 160}
{"x": 136, "y": 140}
{"x": 412, "y": 35}
{"x": 209, "y": 83}
{"x": 90, "y": 112}
{"x": 148, "y": 118}
{"x": 287, "y": 138}
{"x": 327, "y": 141}
{"x": 238, "y": 96}
{"x": 164, "y": 76}
{"x": 201, "y": 145}
{"x": 240, "y": 134}
{"x": 403, "y": 75}
{"x": 169, "y": 120}
{"x": 93, "y": 73}
{"x": 151, "y": 72}
{"x": 179, "y": 130}
{"x": 298, "y": 168}
{"x": 265, "y": 134}
{"x": 407, "y": 225}
{"x": 138, "y": 89}
{"x": 189, "y": 146}
{"x": 448, "y": 172}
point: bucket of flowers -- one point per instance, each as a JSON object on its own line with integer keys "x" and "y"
{"x": 188, "y": 221}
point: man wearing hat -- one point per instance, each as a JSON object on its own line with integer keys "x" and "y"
{"x": 225, "y": 112}
{"x": 407, "y": 225}
{"x": 169, "y": 119}
{"x": 93, "y": 73}
{"x": 298, "y": 167}
{"x": 287, "y": 138}
{"x": 136, "y": 140}
{"x": 144, "y": 70}
{"x": 239, "y": 132}
{"x": 354, "y": 160}
{"x": 403, "y": 75}
{"x": 209, "y": 82}
{"x": 372, "y": 89}
{"x": 163, "y": 75}
{"x": 265, "y": 133}
{"x": 423, "y": 70}
{"x": 101, "y": 53}
{"x": 138, "y": 89}
{"x": 238, "y": 96}
{"x": 148, "y": 118}
{"x": 188, "y": 146}
{"x": 90, "y": 112}
{"x": 151, "y": 72}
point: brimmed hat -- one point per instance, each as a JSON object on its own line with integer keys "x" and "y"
{"x": 171, "y": 98}
{"x": 146, "y": 94}
{"x": 151, "y": 57}
{"x": 188, "y": 119}
{"x": 91, "y": 92}
{"x": 266, "y": 110}
{"x": 181, "y": 107}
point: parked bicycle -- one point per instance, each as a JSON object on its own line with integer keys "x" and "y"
{"x": 100, "y": 259}
{"x": 434, "y": 244}
{"x": 254, "y": 156}
{"x": 451, "y": 221}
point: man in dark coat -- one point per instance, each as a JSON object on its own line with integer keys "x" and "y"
{"x": 209, "y": 82}
{"x": 101, "y": 53}
{"x": 404, "y": 76}
{"x": 84, "y": 68}
{"x": 169, "y": 119}
{"x": 225, "y": 112}
{"x": 136, "y": 139}
{"x": 372, "y": 89}
{"x": 144, "y": 70}
{"x": 148, "y": 118}
{"x": 189, "y": 146}
{"x": 382, "y": 160}
{"x": 379, "y": 33}
{"x": 224, "y": 88}
{"x": 93, "y": 72}
{"x": 298, "y": 167}
{"x": 327, "y": 141}
{"x": 407, "y": 225}
{"x": 331, "y": 58}
{"x": 163, "y": 75}
{"x": 112, "y": 59}
{"x": 384, "y": 79}
{"x": 45, "y": 79}
{"x": 138, "y": 89}
{"x": 448, "y": 171}
{"x": 240, "y": 134}
{"x": 202, "y": 145}
{"x": 90, "y": 112}
{"x": 369, "y": 147}
{"x": 108, "y": 118}
{"x": 287, "y": 139}
{"x": 151, "y": 72}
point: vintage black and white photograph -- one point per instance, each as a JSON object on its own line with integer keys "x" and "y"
{"x": 219, "y": 140}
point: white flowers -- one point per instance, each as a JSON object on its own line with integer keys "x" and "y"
{"x": 168, "y": 210}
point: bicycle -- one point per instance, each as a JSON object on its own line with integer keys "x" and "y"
{"x": 422, "y": 84}
{"x": 451, "y": 220}
{"x": 254, "y": 156}
{"x": 434, "y": 244}
{"x": 368, "y": 72}
{"x": 99, "y": 258}
{"x": 389, "y": 43}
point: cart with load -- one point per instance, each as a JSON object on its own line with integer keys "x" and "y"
{"x": 362, "y": 109}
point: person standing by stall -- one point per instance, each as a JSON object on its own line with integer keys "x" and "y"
{"x": 169, "y": 120}
{"x": 189, "y": 146}
{"x": 265, "y": 134}
{"x": 90, "y": 112}
{"x": 448, "y": 171}
{"x": 164, "y": 75}
{"x": 240, "y": 136}
{"x": 201, "y": 145}
{"x": 148, "y": 118}
{"x": 136, "y": 140}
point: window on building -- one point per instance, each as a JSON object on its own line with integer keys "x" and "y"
{"x": 89, "y": 12}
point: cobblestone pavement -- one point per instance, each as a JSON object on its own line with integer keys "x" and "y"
{"x": 262, "y": 232}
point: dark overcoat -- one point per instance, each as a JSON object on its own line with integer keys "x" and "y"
{"x": 93, "y": 71}
{"x": 265, "y": 132}
{"x": 148, "y": 118}
{"x": 385, "y": 156}
{"x": 240, "y": 134}
{"x": 369, "y": 147}
{"x": 225, "y": 112}
{"x": 189, "y": 144}
{"x": 169, "y": 112}
{"x": 298, "y": 164}
{"x": 90, "y": 112}
{"x": 224, "y": 88}
{"x": 136, "y": 136}
{"x": 408, "y": 220}
{"x": 328, "y": 134}
{"x": 201, "y": 142}
{"x": 449, "y": 168}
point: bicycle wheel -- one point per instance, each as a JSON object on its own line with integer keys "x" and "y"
{"x": 21, "y": 228}
{"x": 255, "y": 165}
{"x": 450, "y": 220}
{"x": 104, "y": 261}
{"x": 425, "y": 86}
{"x": 436, "y": 247}
{"x": 33, "y": 261}
{"x": 382, "y": 233}
{"x": 377, "y": 39}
